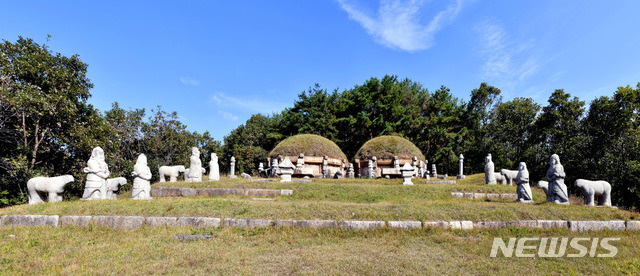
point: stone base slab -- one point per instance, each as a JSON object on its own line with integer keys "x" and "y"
{"x": 180, "y": 192}
{"x": 134, "y": 222}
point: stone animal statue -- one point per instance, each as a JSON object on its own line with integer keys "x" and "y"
{"x": 591, "y": 189}
{"x": 245, "y": 175}
{"x": 186, "y": 174}
{"x": 171, "y": 171}
{"x": 509, "y": 175}
{"x": 53, "y": 187}
{"x": 338, "y": 175}
{"x": 500, "y": 178}
{"x": 544, "y": 185}
{"x": 112, "y": 186}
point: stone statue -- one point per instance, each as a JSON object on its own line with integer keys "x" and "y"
{"x": 195, "y": 168}
{"x": 112, "y": 187}
{"x": 370, "y": 172}
{"x": 275, "y": 169}
{"x": 421, "y": 169}
{"x": 396, "y": 163}
{"x": 171, "y": 171}
{"x": 214, "y": 169}
{"x": 595, "y": 189}
{"x": 300, "y": 162}
{"x": 350, "y": 171}
{"x": 97, "y": 173}
{"x": 426, "y": 171}
{"x": 414, "y": 164}
{"x": 232, "y": 173}
{"x": 434, "y": 171}
{"x": 51, "y": 187}
{"x": 489, "y": 173}
{"x": 544, "y": 185}
{"x": 509, "y": 175}
{"x": 261, "y": 171}
{"x": 460, "y": 171}
{"x": 556, "y": 175}
{"x": 522, "y": 180}
{"x": 142, "y": 179}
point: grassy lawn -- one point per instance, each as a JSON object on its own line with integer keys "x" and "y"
{"x": 231, "y": 251}
{"x": 273, "y": 250}
{"x": 345, "y": 199}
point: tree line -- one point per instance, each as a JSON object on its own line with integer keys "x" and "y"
{"x": 48, "y": 128}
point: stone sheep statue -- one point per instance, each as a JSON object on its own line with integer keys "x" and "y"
{"x": 590, "y": 189}
{"x": 509, "y": 175}
{"x": 171, "y": 171}
{"x": 544, "y": 185}
{"x": 52, "y": 186}
{"x": 500, "y": 178}
{"x": 112, "y": 186}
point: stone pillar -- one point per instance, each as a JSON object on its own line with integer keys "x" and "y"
{"x": 460, "y": 171}
{"x": 434, "y": 172}
{"x": 232, "y": 173}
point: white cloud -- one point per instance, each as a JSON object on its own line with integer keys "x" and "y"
{"x": 397, "y": 24}
{"x": 189, "y": 81}
{"x": 228, "y": 115}
{"x": 506, "y": 62}
{"x": 254, "y": 104}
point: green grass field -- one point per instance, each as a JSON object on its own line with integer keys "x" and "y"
{"x": 272, "y": 250}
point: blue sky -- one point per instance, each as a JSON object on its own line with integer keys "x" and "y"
{"x": 218, "y": 62}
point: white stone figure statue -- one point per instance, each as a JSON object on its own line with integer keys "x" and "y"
{"x": 509, "y": 175}
{"x": 396, "y": 163}
{"x": 47, "y": 187}
{"x": 112, "y": 187}
{"x": 421, "y": 169}
{"x": 544, "y": 185}
{"x": 370, "y": 170}
{"x": 286, "y": 170}
{"x": 595, "y": 189}
{"x": 275, "y": 169}
{"x": 407, "y": 173}
{"x": 171, "y": 171}
{"x": 214, "y": 168}
{"x": 522, "y": 180}
{"x": 232, "y": 172}
{"x": 142, "y": 179}
{"x": 195, "y": 168}
{"x": 461, "y": 169}
{"x": 427, "y": 175}
{"x": 300, "y": 162}
{"x": 261, "y": 171}
{"x": 556, "y": 175}
{"x": 414, "y": 164}
{"x": 489, "y": 173}
{"x": 350, "y": 171}
{"x": 186, "y": 174}
{"x": 434, "y": 171}
{"x": 97, "y": 173}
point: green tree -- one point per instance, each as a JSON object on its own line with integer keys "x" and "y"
{"x": 43, "y": 95}
{"x": 476, "y": 118}
{"x": 511, "y": 131}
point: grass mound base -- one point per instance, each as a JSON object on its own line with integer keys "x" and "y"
{"x": 388, "y": 146}
{"x": 310, "y": 145}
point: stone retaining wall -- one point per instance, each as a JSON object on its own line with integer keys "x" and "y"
{"x": 135, "y": 222}
{"x": 483, "y": 195}
{"x": 178, "y": 192}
